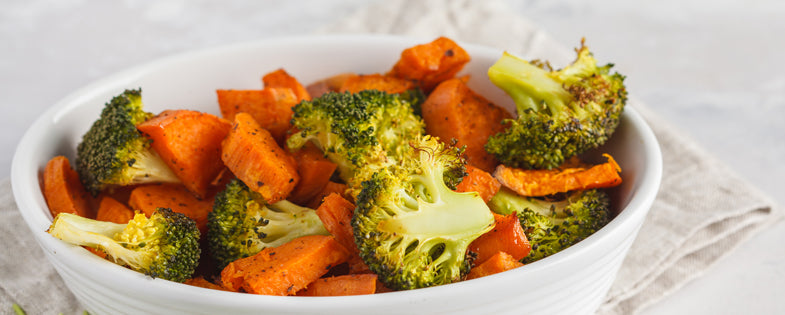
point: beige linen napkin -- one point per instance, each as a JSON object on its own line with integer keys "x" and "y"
{"x": 26, "y": 277}
{"x": 702, "y": 212}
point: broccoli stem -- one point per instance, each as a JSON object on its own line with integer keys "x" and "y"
{"x": 147, "y": 167}
{"x": 507, "y": 201}
{"x": 531, "y": 87}
{"x": 81, "y": 231}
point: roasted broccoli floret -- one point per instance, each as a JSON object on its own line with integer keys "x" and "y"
{"x": 411, "y": 229}
{"x": 113, "y": 152}
{"x": 242, "y": 224}
{"x": 356, "y": 129}
{"x": 415, "y": 97}
{"x": 553, "y": 225}
{"x": 164, "y": 246}
{"x": 560, "y": 113}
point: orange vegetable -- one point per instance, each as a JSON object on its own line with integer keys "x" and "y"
{"x": 430, "y": 64}
{"x": 480, "y": 181}
{"x": 223, "y": 178}
{"x": 63, "y": 191}
{"x": 507, "y": 236}
{"x": 281, "y": 79}
{"x": 392, "y": 85}
{"x": 331, "y": 84}
{"x": 252, "y": 154}
{"x": 147, "y": 198}
{"x": 96, "y": 251}
{"x": 271, "y": 107}
{"x": 331, "y": 187}
{"x": 499, "y": 262}
{"x": 336, "y": 214}
{"x": 341, "y": 286}
{"x": 118, "y": 193}
{"x": 111, "y": 210}
{"x": 201, "y": 282}
{"x": 315, "y": 171}
{"x": 285, "y": 269}
{"x": 189, "y": 142}
{"x": 233, "y": 275}
{"x": 453, "y": 111}
{"x": 548, "y": 182}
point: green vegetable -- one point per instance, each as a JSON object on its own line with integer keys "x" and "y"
{"x": 560, "y": 113}
{"x": 164, "y": 246}
{"x": 412, "y": 230}
{"x": 242, "y": 224}
{"x": 355, "y": 130}
{"x": 113, "y": 152}
{"x": 553, "y": 225}
{"x": 18, "y": 309}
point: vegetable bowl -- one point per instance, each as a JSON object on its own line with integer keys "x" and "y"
{"x": 572, "y": 281}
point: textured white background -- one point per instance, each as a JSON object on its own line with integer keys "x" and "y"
{"x": 712, "y": 68}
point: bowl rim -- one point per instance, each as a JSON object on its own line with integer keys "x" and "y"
{"x": 31, "y": 203}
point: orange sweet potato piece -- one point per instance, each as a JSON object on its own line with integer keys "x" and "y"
{"x": 271, "y": 107}
{"x": 507, "y": 236}
{"x": 189, "y": 142}
{"x": 480, "y": 181}
{"x": 96, "y": 251}
{"x": 252, "y": 154}
{"x": 548, "y": 182}
{"x": 233, "y": 275}
{"x": 341, "y": 286}
{"x": 285, "y": 269}
{"x": 111, "y": 210}
{"x": 453, "y": 111}
{"x": 336, "y": 215}
{"x": 315, "y": 171}
{"x": 430, "y": 64}
{"x": 392, "y": 85}
{"x": 331, "y": 84}
{"x": 147, "y": 198}
{"x": 63, "y": 191}
{"x": 499, "y": 262}
{"x": 281, "y": 79}
{"x": 331, "y": 187}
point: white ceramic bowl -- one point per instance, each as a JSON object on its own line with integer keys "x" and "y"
{"x": 570, "y": 282}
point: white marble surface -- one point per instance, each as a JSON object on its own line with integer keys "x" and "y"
{"x": 712, "y": 68}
